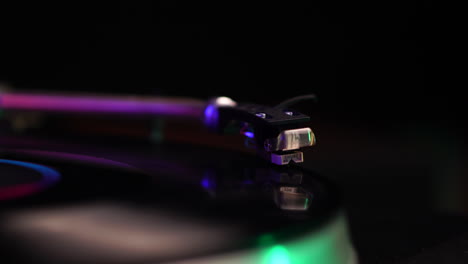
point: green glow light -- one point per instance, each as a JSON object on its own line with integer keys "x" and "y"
{"x": 277, "y": 255}
{"x": 266, "y": 240}
{"x": 328, "y": 245}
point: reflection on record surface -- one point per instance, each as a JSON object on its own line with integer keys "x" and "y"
{"x": 133, "y": 207}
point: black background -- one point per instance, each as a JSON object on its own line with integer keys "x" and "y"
{"x": 389, "y": 119}
{"x": 375, "y": 61}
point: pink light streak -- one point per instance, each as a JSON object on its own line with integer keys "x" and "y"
{"x": 181, "y": 107}
{"x": 12, "y": 192}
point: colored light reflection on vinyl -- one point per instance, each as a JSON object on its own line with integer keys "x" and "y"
{"x": 29, "y": 178}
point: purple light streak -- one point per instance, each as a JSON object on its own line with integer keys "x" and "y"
{"x": 106, "y": 105}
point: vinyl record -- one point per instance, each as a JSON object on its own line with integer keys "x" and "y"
{"x": 130, "y": 204}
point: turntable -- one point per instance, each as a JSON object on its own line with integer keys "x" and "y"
{"x": 94, "y": 179}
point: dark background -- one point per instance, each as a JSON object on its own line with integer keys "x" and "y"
{"x": 364, "y": 60}
{"x": 389, "y": 118}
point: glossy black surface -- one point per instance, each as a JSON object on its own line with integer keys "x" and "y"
{"x": 22, "y": 175}
{"x": 165, "y": 193}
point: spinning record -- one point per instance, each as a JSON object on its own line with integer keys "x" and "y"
{"x": 131, "y": 204}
